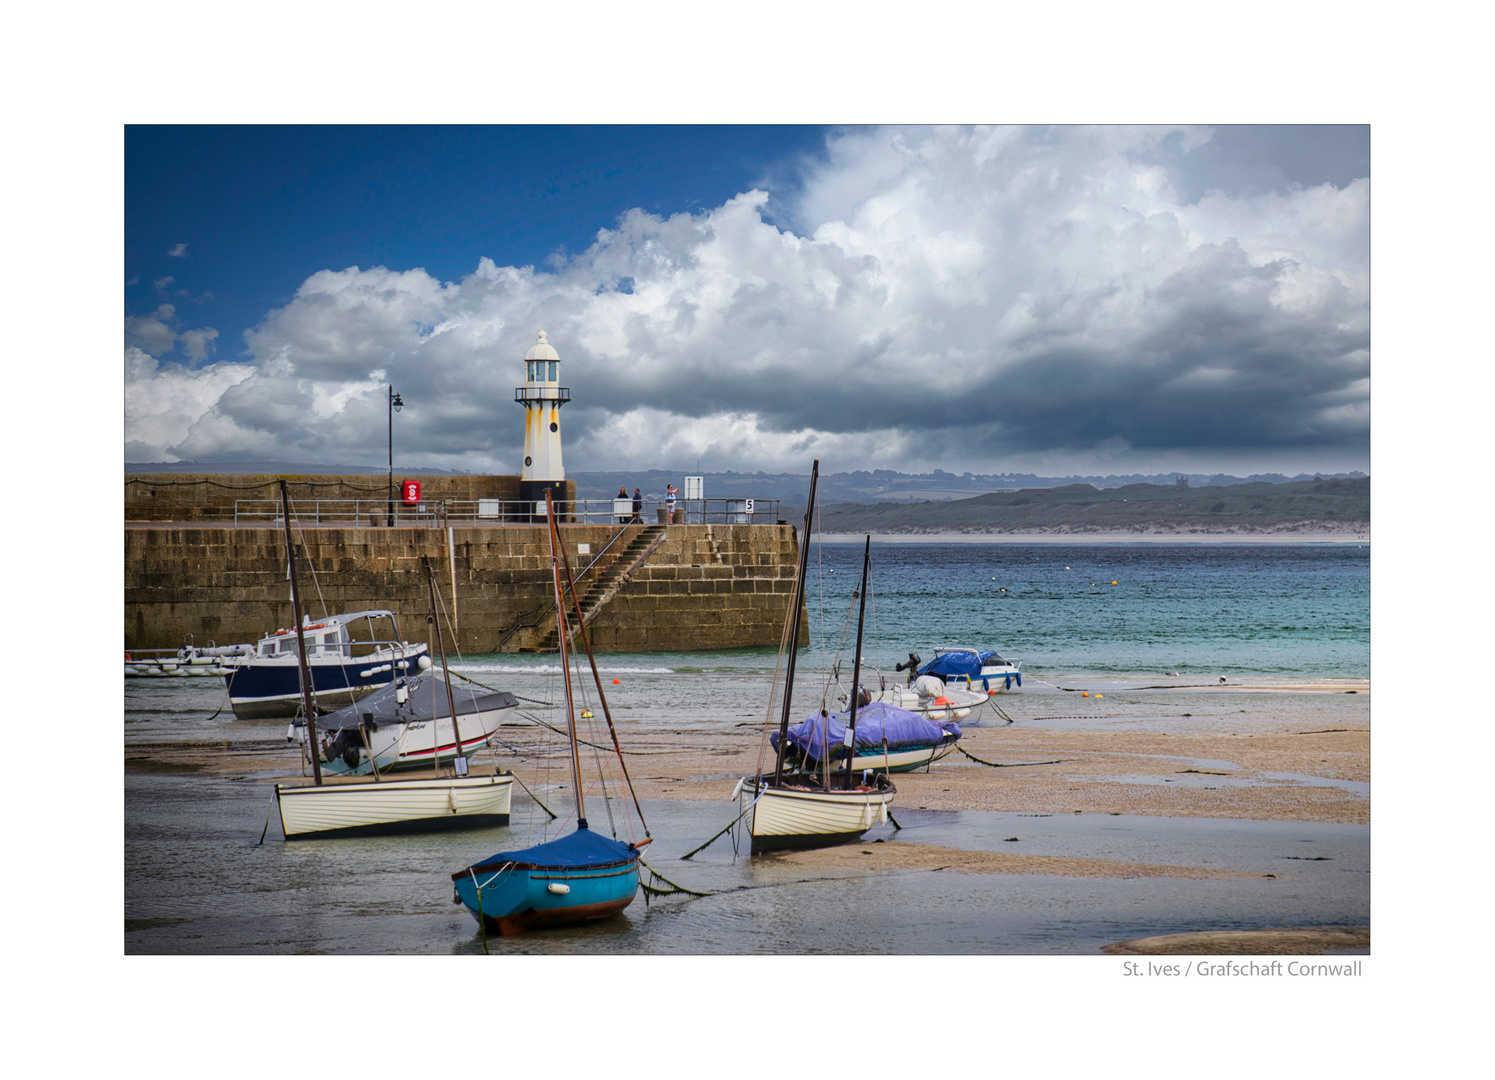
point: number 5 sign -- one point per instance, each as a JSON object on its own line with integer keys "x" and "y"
{"x": 410, "y": 491}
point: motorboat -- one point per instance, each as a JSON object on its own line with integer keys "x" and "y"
{"x": 349, "y": 656}
{"x": 962, "y": 667}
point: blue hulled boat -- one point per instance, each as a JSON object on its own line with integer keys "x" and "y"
{"x": 581, "y": 876}
{"x": 575, "y": 878}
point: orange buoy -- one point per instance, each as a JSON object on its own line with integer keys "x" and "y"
{"x": 1084, "y": 693}
{"x": 616, "y": 682}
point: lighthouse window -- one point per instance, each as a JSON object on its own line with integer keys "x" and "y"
{"x": 554, "y": 368}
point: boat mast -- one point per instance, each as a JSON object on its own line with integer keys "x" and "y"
{"x": 303, "y": 672}
{"x": 586, "y": 641}
{"x": 795, "y": 604}
{"x": 856, "y": 667}
{"x": 459, "y": 762}
{"x": 560, "y": 625}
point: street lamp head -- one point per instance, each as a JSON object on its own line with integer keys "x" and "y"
{"x": 398, "y": 404}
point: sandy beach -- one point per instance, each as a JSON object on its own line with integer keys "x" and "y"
{"x": 1264, "y": 750}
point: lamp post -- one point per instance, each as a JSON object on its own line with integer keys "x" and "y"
{"x": 395, "y": 405}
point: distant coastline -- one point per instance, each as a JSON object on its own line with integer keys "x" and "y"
{"x": 1096, "y": 538}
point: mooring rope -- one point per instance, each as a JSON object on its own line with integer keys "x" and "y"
{"x": 650, "y": 890}
{"x": 719, "y": 835}
{"x": 1001, "y": 765}
{"x": 533, "y": 796}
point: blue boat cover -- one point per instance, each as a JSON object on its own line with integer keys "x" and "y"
{"x": 954, "y": 665}
{"x": 874, "y": 722}
{"x": 581, "y": 848}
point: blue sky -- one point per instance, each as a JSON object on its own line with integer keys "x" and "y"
{"x": 1042, "y": 299}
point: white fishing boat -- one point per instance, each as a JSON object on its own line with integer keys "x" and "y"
{"x": 348, "y": 656}
{"x": 375, "y": 805}
{"x": 794, "y": 809}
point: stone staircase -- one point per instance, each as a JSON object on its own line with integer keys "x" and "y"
{"x": 605, "y": 585}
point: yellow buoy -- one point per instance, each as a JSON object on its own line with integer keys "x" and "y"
{"x": 1113, "y": 583}
{"x": 1100, "y": 695}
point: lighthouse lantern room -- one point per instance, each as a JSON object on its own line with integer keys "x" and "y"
{"x": 542, "y": 397}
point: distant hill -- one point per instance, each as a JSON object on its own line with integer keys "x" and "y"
{"x": 1334, "y": 505}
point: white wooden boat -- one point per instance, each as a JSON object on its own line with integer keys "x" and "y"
{"x": 794, "y": 809}
{"x": 788, "y": 816}
{"x": 376, "y": 805}
{"x": 365, "y": 808}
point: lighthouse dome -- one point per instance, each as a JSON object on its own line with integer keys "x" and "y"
{"x": 542, "y": 350}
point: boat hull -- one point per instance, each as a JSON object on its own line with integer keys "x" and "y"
{"x": 418, "y": 743}
{"x": 393, "y": 806}
{"x": 903, "y": 759}
{"x": 264, "y": 689}
{"x": 791, "y": 818}
{"x": 957, "y": 703}
{"x": 512, "y": 897}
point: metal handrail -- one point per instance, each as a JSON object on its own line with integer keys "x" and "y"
{"x": 442, "y": 512}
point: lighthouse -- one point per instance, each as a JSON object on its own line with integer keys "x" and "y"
{"x": 542, "y": 397}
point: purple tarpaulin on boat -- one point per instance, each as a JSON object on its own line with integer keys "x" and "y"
{"x": 874, "y": 723}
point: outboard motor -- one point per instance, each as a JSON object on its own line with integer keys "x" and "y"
{"x": 911, "y": 667}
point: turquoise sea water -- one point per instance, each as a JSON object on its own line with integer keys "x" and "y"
{"x": 1278, "y": 611}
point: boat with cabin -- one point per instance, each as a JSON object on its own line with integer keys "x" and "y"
{"x": 349, "y": 656}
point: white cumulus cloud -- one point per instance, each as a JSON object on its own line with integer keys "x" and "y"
{"x": 963, "y": 299}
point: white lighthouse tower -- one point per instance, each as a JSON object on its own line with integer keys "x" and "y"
{"x": 542, "y": 397}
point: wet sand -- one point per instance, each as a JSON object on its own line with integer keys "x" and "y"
{"x": 1261, "y": 751}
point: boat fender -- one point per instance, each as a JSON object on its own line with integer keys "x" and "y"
{"x": 290, "y": 732}
{"x": 127, "y": 658}
{"x": 424, "y": 663}
{"x": 737, "y": 791}
{"x": 560, "y": 888}
{"x": 1019, "y": 679}
{"x": 882, "y": 813}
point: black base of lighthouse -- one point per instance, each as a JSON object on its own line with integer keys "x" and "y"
{"x": 533, "y": 492}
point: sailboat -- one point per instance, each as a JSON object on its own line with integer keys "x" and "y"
{"x": 794, "y": 809}
{"x": 887, "y": 738}
{"x": 377, "y": 806}
{"x": 575, "y": 878}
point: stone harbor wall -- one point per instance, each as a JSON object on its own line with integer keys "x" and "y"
{"x": 703, "y": 587}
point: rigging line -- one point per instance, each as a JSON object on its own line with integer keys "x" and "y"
{"x": 310, "y": 565}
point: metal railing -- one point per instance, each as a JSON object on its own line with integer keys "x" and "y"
{"x": 442, "y": 512}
